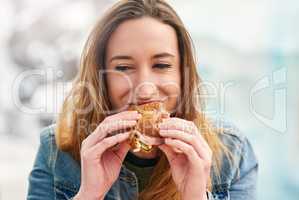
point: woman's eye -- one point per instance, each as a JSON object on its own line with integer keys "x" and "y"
{"x": 122, "y": 68}
{"x": 162, "y": 66}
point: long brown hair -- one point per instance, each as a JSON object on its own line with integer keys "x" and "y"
{"x": 88, "y": 101}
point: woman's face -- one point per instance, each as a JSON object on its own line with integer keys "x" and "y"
{"x": 143, "y": 64}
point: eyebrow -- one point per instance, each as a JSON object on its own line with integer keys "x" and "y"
{"x": 163, "y": 55}
{"x": 124, "y": 57}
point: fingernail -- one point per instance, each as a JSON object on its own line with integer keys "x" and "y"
{"x": 166, "y": 115}
{"x": 132, "y": 122}
{"x": 134, "y": 112}
{"x": 161, "y": 126}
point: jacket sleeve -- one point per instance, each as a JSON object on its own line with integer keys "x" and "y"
{"x": 41, "y": 176}
{"x": 244, "y": 184}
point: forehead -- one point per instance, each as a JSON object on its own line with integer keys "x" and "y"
{"x": 144, "y": 35}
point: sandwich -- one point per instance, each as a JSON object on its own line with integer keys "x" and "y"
{"x": 145, "y": 134}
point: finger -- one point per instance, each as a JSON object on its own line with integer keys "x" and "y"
{"x": 101, "y": 147}
{"x": 179, "y": 124}
{"x": 189, "y": 139}
{"x": 125, "y": 115}
{"x": 122, "y": 151}
{"x": 187, "y": 149}
{"x": 170, "y": 154}
{"x": 108, "y": 127}
{"x": 185, "y": 126}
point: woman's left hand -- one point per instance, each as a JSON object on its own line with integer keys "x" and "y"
{"x": 191, "y": 166}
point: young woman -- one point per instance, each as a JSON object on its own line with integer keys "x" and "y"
{"x": 140, "y": 52}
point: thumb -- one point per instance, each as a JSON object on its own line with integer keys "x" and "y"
{"x": 170, "y": 154}
{"x": 123, "y": 149}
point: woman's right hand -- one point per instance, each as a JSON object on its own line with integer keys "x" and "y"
{"x": 100, "y": 163}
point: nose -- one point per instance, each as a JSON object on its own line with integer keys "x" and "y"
{"x": 145, "y": 91}
{"x": 145, "y": 84}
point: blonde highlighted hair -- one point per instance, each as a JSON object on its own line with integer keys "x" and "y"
{"x": 88, "y": 103}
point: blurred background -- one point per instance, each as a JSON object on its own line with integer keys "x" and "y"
{"x": 248, "y": 54}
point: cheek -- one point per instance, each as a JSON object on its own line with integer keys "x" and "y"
{"x": 119, "y": 87}
{"x": 171, "y": 88}
{"x": 171, "y": 84}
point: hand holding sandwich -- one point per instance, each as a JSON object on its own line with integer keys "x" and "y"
{"x": 191, "y": 166}
{"x": 100, "y": 163}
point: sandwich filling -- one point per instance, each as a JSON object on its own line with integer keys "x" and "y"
{"x": 145, "y": 135}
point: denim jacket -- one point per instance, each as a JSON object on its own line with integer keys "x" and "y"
{"x": 56, "y": 175}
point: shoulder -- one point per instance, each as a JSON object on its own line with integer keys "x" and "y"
{"x": 231, "y": 136}
{"x": 47, "y": 139}
{"x": 64, "y": 170}
{"x": 47, "y": 134}
{"x": 64, "y": 166}
{"x": 242, "y": 158}
{"x": 47, "y": 146}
